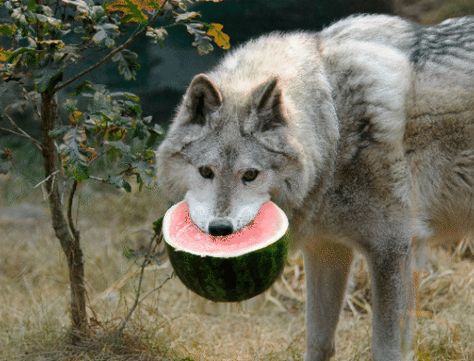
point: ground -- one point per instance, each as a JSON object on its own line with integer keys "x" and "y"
{"x": 172, "y": 323}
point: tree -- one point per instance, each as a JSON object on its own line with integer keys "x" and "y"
{"x": 105, "y": 137}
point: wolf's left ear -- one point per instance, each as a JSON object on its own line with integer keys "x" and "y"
{"x": 202, "y": 97}
{"x": 267, "y": 102}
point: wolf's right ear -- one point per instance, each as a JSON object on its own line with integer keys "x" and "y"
{"x": 202, "y": 97}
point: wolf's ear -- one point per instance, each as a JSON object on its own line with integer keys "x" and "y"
{"x": 267, "y": 102}
{"x": 202, "y": 97}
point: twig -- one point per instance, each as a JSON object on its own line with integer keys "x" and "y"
{"x": 170, "y": 276}
{"x": 20, "y": 130}
{"x": 139, "y": 300}
{"x": 21, "y": 133}
{"x": 98, "y": 179}
{"x": 46, "y": 179}
{"x": 138, "y": 31}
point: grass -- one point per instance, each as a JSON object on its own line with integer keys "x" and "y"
{"x": 174, "y": 324}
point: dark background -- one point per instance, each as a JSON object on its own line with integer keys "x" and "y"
{"x": 165, "y": 72}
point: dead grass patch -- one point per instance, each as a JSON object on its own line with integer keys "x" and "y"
{"x": 174, "y": 324}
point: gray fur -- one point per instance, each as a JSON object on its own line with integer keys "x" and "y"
{"x": 363, "y": 133}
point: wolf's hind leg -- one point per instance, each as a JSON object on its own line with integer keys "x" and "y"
{"x": 327, "y": 268}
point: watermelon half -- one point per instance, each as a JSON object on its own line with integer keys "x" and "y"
{"x": 227, "y": 268}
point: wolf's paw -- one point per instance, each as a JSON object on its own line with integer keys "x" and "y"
{"x": 320, "y": 354}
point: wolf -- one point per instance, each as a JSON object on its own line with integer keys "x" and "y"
{"x": 363, "y": 133}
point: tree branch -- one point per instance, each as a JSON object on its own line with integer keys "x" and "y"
{"x": 139, "y": 31}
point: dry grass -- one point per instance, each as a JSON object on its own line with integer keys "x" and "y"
{"x": 173, "y": 324}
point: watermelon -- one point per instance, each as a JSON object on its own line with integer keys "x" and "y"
{"x": 227, "y": 268}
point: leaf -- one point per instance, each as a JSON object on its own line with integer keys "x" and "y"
{"x": 32, "y": 5}
{"x": 59, "y": 131}
{"x": 105, "y": 34}
{"x": 56, "y": 23}
{"x": 187, "y": 16}
{"x": 84, "y": 87}
{"x": 75, "y": 155}
{"x": 203, "y": 45}
{"x": 4, "y": 55}
{"x": 119, "y": 182}
{"x": 81, "y": 6}
{"x": 145, "y": 172}
{"x": 23, "y": 54}
{"x": 134, "y": 11}
{"x": 220, "y": 38}
{"x": 118, "y": 145}
{"x": 52, "y": 44}
{"x": 75, "y": 117}
{"x": 201, "y": 41}
{"x": 7, "y": 29}
{"x": 47, "y": 78}
{"x": 127, "y": 63}
{"x": 158, "y": 36}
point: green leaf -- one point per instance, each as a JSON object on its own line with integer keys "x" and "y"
{"x": 32, "y": 5}
{"x": 56, "y": 23}
{"x": 105, "y": 34}
{"x": 75, "y": 155}
{"x": 127, "y": 63}
{"x": 203, "y": 45}
{"x": 145, "y": 171}
{"x": 59, "y": 131}
{"x": 118, "y": 145}
{"x": 24, "y": 55}
{"x": 157, "y": 35}
{"x": 119, "y": 182}
{"x": 47, "y": 78}
{"x": 187, "y": 16}
{"x": 85, "y": 87}
{"x": 133, "y": 10}
{"x": 7, "y": 29}
{"x": 82, "y": 8}
{"x": 202, "y": 42}
{"x": 156, "y": 135}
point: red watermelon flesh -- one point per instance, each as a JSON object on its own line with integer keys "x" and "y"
{"x": 184, "y": 235}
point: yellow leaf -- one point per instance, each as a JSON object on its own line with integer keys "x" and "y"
{"x": 220, "y": 38}
{"x": 59, "y": 44}
{"x": 75, "y": 116}
{"x": 4, "y": 54}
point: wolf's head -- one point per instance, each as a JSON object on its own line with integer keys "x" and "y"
{"x": 229, "y": 152}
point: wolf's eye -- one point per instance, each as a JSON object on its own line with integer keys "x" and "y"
{"x": 250, "y": 175}
{"x": 206, "y": 172}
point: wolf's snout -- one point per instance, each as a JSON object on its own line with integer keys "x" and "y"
{"x": 220, "y": 227}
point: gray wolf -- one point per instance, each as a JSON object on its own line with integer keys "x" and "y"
{"x": 363, "y": 133}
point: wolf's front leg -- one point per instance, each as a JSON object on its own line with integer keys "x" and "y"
{"x": 392, "y": 302}
{"x": 327, "y": 267}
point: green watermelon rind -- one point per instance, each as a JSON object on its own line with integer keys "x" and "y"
{"x": 234, "y": 279}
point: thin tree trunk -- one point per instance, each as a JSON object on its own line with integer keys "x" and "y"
{"x": 68, "y": 237}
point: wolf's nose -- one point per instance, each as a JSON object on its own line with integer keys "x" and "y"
{"x": 220, "y": 227}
